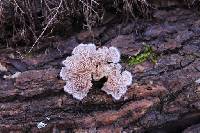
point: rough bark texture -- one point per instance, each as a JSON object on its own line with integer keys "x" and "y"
{"x": 164, "y": 97}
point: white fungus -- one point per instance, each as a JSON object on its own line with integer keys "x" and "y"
{"x": 3, "y": 68}
{"x": 88, "y": 63}
{"x": 83, "y": 49}
{"x": 113, "y": 55}
{"x": 41, "y": 125}
{"x": 117, "y": 82}
{"x": 17, "y": 74}
{"x": 198, "y": 81}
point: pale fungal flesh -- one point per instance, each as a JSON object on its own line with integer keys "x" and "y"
{"x": 88, "y": 63}
{"x": 3, "y": 68}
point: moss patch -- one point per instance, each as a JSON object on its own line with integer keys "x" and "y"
{"x": 146, "y": 54}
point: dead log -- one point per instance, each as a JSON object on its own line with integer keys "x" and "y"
{"x": 165, "y": 97}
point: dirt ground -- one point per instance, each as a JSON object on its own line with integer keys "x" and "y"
{"x": 164, "y": 97}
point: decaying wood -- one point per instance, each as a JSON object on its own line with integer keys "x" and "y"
{"x": 163, "y": 98}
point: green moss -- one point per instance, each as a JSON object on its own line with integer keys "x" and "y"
{"x": 147, "y": 53}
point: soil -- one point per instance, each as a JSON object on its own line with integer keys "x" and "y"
{"x": 164, "y": 97}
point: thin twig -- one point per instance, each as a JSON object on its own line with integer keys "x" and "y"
{"x": 57, "y": 10}
{"x": 89, "y": 6}
{"x": 19, "y": 7}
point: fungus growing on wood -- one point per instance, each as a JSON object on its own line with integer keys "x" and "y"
{"x": 78, "y": 69}
{"x": 117, "y": 83}
{"x": 88, "y": 63}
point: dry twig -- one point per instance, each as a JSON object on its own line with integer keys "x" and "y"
{"x": 50, "y": 21}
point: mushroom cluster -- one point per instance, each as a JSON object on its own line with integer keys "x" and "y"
{"x": 88, "y": 63}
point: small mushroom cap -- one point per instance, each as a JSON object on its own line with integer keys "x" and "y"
{"x": 78, "y": 86}
{"x": 84, "y": 49}
{"x": 102, "y": 55}
{"x": 127, "y": 77}
{"x": 116, "y": 94}
{"x": 76, "y": 94}
{"x": 117, "y": 83}
{"x": 65, "y": 73}
{"x": 113, "y": 55}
